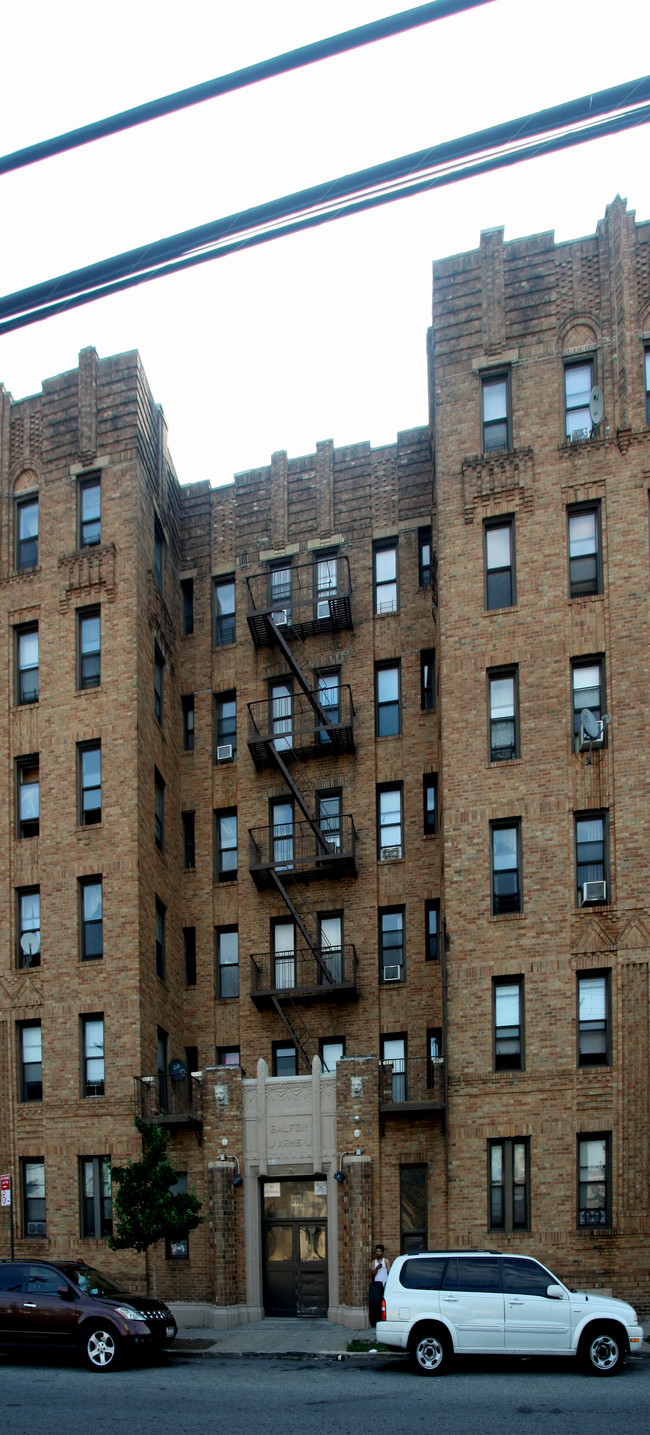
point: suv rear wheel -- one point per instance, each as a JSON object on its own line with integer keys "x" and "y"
{"x": 602, "y": 1350}
{"x": 430, "y": 1351}
{"x": 100, "y": 1347}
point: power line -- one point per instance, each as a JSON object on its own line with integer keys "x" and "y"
{"x": 239, "y": 79}
{"x": 605, "y": 112}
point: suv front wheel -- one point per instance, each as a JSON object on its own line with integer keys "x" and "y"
{"x": 430, "y": 1350}
{"x": 602, "y": 1350}
{"x": 100, "y": 1347}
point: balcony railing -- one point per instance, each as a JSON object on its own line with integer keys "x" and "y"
{"x": 300, "y": 976}
{"x": 295, "y": 849}
{"x": 414, "y": 1083}
{"x": 303, "y": 599}
{"x": 172, "y": 1103}
{"x": 291, "y": 725}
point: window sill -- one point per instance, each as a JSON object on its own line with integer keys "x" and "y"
{"x": 586, "y": 598}
{"x": 490, "y": 612}
{"x": 83, "y": 692}
{"x": 88, "y": 826}
{"x": 393, "y": 614}
{"x": 507, "y": 916}
{"x": 501, "y": 762}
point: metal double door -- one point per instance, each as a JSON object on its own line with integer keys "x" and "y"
{"x": 295, "y": 1267}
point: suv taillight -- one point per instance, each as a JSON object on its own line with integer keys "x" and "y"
{"x": 383, "y": 1310}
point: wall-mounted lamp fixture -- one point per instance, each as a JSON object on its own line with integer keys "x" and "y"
{"x": 238, "y": 1179}
{"x": 340, "y": 1174}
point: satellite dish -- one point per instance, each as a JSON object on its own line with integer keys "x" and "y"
{"x": 590, "y": 724}
{"x": 596, "y": 405}
{"x": 30, "y": 943}
{"x": 177, "y": 1069}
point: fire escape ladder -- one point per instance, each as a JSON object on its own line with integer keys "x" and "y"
{"x": 310, "y": 693}
{"x": 299, "y": 912}
{"x": 300, "y": 799}
{"x": 305, "y": 1041}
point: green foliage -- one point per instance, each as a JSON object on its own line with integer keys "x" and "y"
{"x": 144, "y": 1207}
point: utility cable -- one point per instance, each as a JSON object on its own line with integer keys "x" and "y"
{"x": 238, "y": 80}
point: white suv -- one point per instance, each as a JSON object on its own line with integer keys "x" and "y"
{"x": 443, "y": 1303}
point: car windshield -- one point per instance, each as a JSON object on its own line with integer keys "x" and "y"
{"x": 92, "y": 1282}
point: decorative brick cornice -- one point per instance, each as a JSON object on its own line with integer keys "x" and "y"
{"x": 508, "y": 475}
{"x": 85, "y": 570}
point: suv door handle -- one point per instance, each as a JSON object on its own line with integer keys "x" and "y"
{"x": 450, "y": 1297}
{"x": 29, "y": 1305}
{"x": 516, "y": 1301}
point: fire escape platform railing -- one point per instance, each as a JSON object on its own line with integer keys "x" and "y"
{"x": 411, "y": 1084}
{"x": 171, "y": 1103}
{"x": 302, "y": 606}
{"x": 298, "y": 732}
{"x": 300, "y": 977}
{"x": 298, "y": 850}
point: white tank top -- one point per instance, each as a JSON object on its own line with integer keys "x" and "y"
{"x": 381, "y": 1274}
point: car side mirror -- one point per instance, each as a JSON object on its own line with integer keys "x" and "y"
{"x": 555, "y": 1292}
{"x": 65, "y": 1292}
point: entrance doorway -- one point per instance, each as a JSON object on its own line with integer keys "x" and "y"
{"x": 294, "y": 1247}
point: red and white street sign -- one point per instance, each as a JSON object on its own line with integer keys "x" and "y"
{"x": 5, "y": 1190}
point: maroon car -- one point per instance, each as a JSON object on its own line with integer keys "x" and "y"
{"x": 70, "y": 1304}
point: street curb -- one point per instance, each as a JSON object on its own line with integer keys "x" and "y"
{"x": 331, "y": 1355}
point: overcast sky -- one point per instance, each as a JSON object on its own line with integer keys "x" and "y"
{"x": 321, "y": 335}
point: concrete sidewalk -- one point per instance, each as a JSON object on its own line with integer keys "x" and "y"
{"x": 271, "y": 1337}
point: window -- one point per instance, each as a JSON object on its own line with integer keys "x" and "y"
{"x": 224, "y": 613}
{"x": 329, "y": 818}
{"x": 427, "y": 680}
{"x": 92, "y": 927}
{"x": 32, "y": 1170}
{"x": 285, "y": 1059}
{"x": 389, "y": 802}
{"x": 90, "y": 784}
{"x": 28, "y": 796}
{"x": 27, "y": 534}
{"x": 158, "y": 546}
{"x": 578, "y": 383}
{"x": 386, "y": 579}
{"x": 228, "y": 1056}
{"x": 282, "y": 834}
{"x": 393, "y": 1050}
{"x": 187, "y": 819}
{"x": 587, "y": 679}
{"x": 326, "y": 576}
{"x": 508, "y": 998}
{"x": 503, "y": 698}
{"x": 584, "y": 551}
{"x": 328, "y": 688}
{"x": 280, "y": 589}
{"x": 89, "y": 648}
{"x": 95, "y": 1188}
{"x": 178, "y": 1249}
{"x": 226, "y": 715}
{"x": 499, "y": 564}
{"x": 413, "y": 1208}
{"x": 189, "y": 950}
{"x": 158, "y": 682}
{"x": 332, "y": 1049}
{"x": 187, "y": 603}
{"x": 192, "y": 1059}
{"x": 27, "y": 665}
{"x": 424, "y": 557}
{"x": 280, "y": 713}
{"x": 90, "y": 527}
{"x": 283, "y": 945}
{"x": 509, "y": 1185}
{"x": 92, "y": 1038}
{"x": 506, "y": 868}
{"x": 647, "y": 386}
{"x": 227, "y": 962}
{"x": 160, "y": 940}
{"x": 226, "y": 831}
{"x": 391, "y": 944}
{"x": 387, "y": 691}
{"x": 593, "y": 1019}
{"x": 187, "y": 704}
{"x": 159, "y": 811}
{"x": 431, "y": 931}
{"x": 162, "y": 1051}
{"x": 591, "y": 854}
{"x": 594, "y": 1180}
{"x": 330, "y": 943}
{"x": 430, "y": 798}
{"x": 434, "y": 1055}
{"x": 494, "y": 394}
{"x": 31, "y": 1061}
{"x": 29, "y": 927}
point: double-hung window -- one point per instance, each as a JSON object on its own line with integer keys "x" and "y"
{"x": 27, "y": 534}
{"x": 393, "y": 1051}
{"x": 386, "y": 578}
{"x": 89, "y": 648}
{"x": 591, "y": 857}
{"x": 29, "y": 927}
{"x": 424, "y": 557}
{"x": 427, "y": 680}
{"x": 508, "y": 998}
{"x": 499, "y": 538}
{"x": 494, "y": 394}
{"x": 585, "y": 569}
{"x": 509, "y": 1184}
{"x": 226, "y": 737}
{"x": 32, "y": 1170}
{"x": 329, "y": 818}
{"x": 92, "y": 924}
{"x": 280, "y": 590}
{"x": 226, "y": 834}
{"x": 96, "y": 1203}
{"x": 187, "y": 603}
{"x": 187, "y": 705}
{"x": 189, "y": 844}
{"x": 594, "y": 1180}
{"x": 413, "y": 1208}
{"x": 503, "y": 714}
{"x": 27, "y": 665}
{"x": 588, "y": 689}
{"x": 326, "y": 581}
{"x": 227, "y": 940}
{"x": 90, "y": 516}
{"x": 432, "y": 931}
{"x": 161, "y": 954}
{"x": 332, "y": 1049}
{"x": 92, "y": 1037}
{"x": 390, "y": 823}
{"x": 284, "y": 1059}
{"x": 28, "y": 786}
{"x": 189, "y": 953}
{"x": 224, "y": 613}
{"x": 506, "y": 868}
{"x": 387, "y": 678}
{"x": 593, "y": 1019}
{"x": 329, "y": 697}
{"x": 90, "y": 784}
{"x": 578, "y": 383}
{"x": 391, "y": 944}
{"x": 31, "y": 1061}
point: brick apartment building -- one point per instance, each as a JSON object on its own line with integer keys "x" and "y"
{"x": 307, "y": 852}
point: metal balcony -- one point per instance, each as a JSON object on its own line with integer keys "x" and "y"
{"x": 300, "y": 600}
{"x": 302, "y": 852}
{"x": 291, "y": 727}
{"x": 171, "y": 1103}
{"x": 299, "y": 976}
{"x": 411, "y": 1084}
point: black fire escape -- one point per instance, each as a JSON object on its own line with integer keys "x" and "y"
{"x": 316, "y": 719}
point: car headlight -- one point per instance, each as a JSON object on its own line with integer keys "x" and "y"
{"x": 129, "y": 1312}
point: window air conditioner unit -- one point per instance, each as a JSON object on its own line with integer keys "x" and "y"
{"x": 578, "y": 435}
{"x": 323, "y": 608}
{"x": 224, "y": 752}
{"x": 391, "y": 854}
{"x": 391, "y": 974}
{"x": 584, "y": 741}
{"x": 36, "y": 1228}
{"x": 593, "y": 892}
{"x": 281, "y": 618}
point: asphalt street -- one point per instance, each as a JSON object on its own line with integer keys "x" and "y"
{"x": 312, "y": 1396}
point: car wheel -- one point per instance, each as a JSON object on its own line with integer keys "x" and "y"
{"x": 430, "y": 1351}
{"x": 602, "y": 1350}
{"x": 100, "y": 1347}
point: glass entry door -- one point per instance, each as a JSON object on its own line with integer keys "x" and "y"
{"x": 294, "y": 1248}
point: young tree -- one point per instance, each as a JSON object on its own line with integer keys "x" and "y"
{"x": 144, "y": 1207}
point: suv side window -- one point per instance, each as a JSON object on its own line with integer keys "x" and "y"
{"x": 11, "y": 1275}
{"x": 479, "y": 1273}
{"x": 424, "y": 1274}
{"x": 525, "y": 1277}
{"x": 44, "y": 1279}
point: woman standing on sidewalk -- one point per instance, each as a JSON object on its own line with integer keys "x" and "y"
{"x": 379, "y": 1273}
